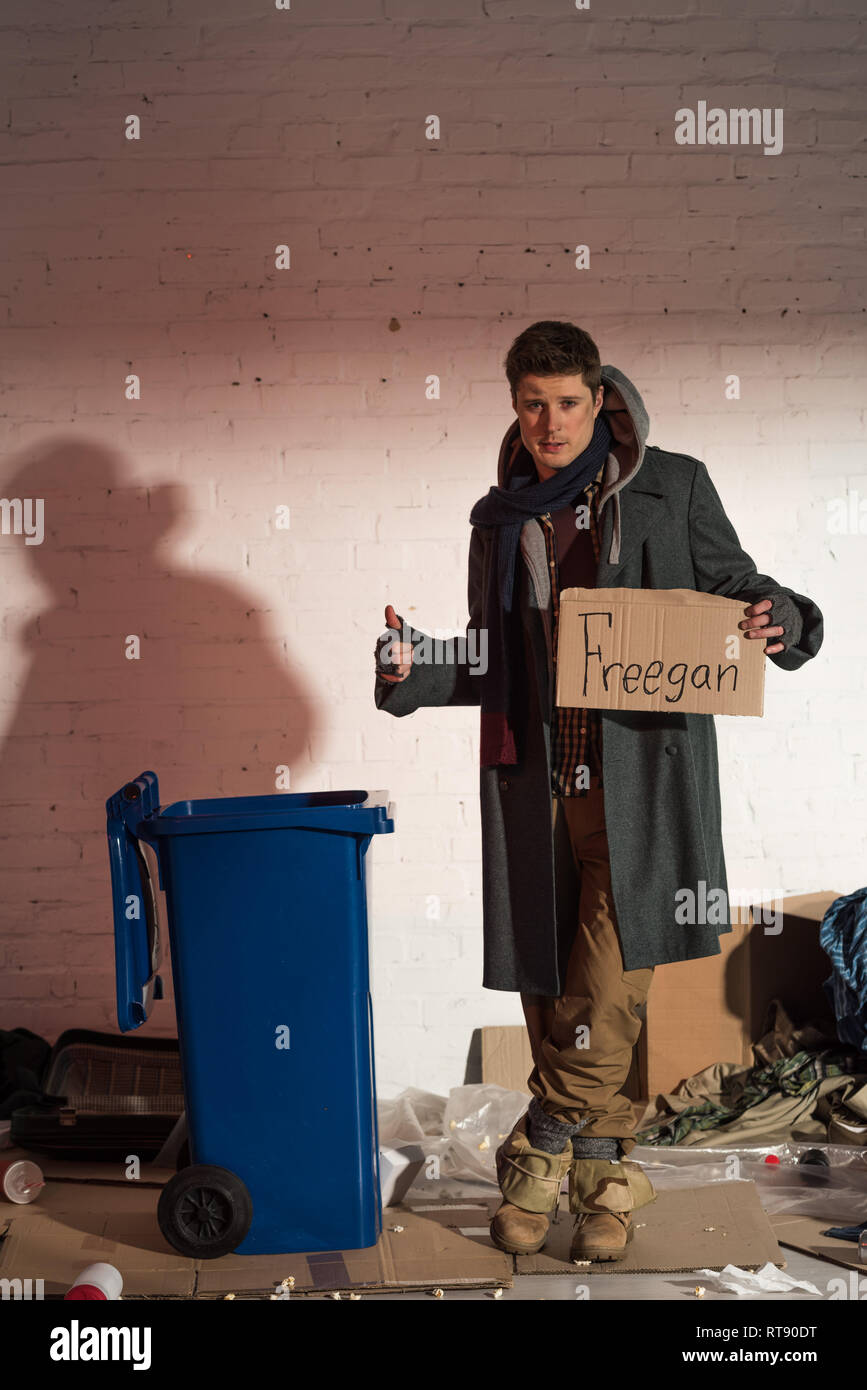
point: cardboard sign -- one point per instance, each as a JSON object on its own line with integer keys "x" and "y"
{"x": 672, "y": 650}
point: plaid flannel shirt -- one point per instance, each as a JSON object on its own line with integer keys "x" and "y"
{"x": 576, "y": 733}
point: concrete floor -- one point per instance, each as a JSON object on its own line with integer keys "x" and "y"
{"x": 642, "y": 1287}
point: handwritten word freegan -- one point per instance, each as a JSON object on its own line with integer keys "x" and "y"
{"x": 631, "y": 673}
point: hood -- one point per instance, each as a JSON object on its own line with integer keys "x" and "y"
{"x": 627, "y": 449}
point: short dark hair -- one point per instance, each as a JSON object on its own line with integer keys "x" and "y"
{"x": 552, "y": 348}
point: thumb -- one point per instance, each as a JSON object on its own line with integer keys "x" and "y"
{"x": 390, "y": 617}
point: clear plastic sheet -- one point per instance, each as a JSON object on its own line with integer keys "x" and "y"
{"x": 465, "y": 1129}
{"x": 838, "y": 1192}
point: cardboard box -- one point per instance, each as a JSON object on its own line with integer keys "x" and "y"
{"x": 713, "y": 1009}
{"x": 668, "y": 650}
{"x": 506, "y": 1057}
{"x": 696, "y": 1016}
{"x": 786, "y": 962}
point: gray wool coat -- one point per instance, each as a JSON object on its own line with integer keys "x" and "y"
{"x": 662, "y": 526}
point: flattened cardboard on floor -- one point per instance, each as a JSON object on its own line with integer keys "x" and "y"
{"x": 672, "y": 1235}
{"x": 75, "y": 1223}
{"x": 805, "y": 1233}
{"x": 57, "y": 1247}
{"x": 672, "y": 650}
{"x": 425, "y": 1254}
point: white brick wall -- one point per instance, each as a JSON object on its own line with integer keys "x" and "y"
{"x": 305, "y": 387}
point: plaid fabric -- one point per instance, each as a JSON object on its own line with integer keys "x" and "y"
{"x": 576, "y": 734}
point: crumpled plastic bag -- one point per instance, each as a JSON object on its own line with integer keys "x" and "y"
{"x": 768, "y": 1279}
{"x": 411, "y": 1117}
{"x": 463, "y": 1131}
{"x": 477, "y": 1119}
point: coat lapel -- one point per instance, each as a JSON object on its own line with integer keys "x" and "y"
{"x": 641, "y": 511}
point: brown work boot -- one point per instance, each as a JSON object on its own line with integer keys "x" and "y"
{"x": 519, "y": 1232}
{"x": 530, "y": 1183}
{"x": 603, "y": 1194}
{"x": 601, "y": 1235}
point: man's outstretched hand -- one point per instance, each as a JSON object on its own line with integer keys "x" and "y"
{"x": 759, "y": 615}
{"x": 401, "y": 664}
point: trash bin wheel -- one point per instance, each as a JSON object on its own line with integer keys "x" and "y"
{"x": 205, "y": 1211}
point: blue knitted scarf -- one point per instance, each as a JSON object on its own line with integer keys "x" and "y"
{"x": 506, "y": 510}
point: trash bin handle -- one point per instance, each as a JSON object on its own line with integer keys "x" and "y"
{"x": 136, "y": 980}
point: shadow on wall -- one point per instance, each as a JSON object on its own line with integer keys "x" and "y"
{"x": 210, "y": 706}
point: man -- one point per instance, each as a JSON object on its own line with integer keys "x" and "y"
{"x": 592, "y": 821}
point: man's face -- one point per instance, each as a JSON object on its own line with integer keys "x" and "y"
{"x": 558, "y": 409}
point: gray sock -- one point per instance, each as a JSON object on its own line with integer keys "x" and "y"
{"x": 546, "y": 1133}
{"x": 594, "y": 1146}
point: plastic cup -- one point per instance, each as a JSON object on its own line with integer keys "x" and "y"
{"x": 99, "y": 1281}
{"x": 20, "y": 1180}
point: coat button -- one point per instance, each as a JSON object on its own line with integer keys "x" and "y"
{"x": 504, "y": 784}
{"x": 671, "y": 748}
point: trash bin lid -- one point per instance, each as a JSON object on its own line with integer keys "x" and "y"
{"x": 358, "y": 812}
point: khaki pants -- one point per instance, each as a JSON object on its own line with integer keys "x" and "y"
{"x": 584, "y": 1081}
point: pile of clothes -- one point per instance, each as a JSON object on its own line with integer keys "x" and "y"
{"x": 802, "y": 1083}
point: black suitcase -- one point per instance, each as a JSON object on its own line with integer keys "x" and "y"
{"x": 105, "y": 1096}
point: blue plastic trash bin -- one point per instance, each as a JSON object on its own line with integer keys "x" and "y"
{"x": 267, "y": 901}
